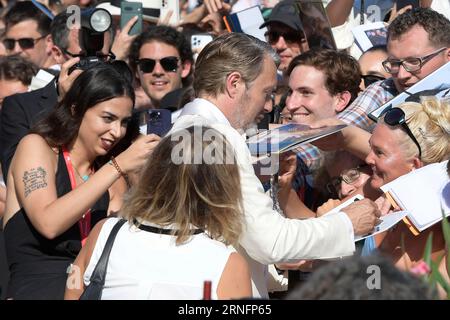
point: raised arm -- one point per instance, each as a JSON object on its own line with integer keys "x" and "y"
{"x": 352, "y": 139}
{"x": 338, "y": 11}
{"x": 33, "y": 172}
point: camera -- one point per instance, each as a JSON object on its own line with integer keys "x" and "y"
{"x": 94, "y": 23}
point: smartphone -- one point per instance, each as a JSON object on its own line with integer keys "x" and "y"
{"x": 128, "y": 10}
{"x": 159, "y": 121}
{"x": 403, "y": 3}
{"x": 198, "y": 41}
{"x": 173, "y": 5}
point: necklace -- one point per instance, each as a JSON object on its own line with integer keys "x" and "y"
{"x": 85, "y": 177}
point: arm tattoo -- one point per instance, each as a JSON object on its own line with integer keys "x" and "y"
{"x": 34, "y": 179}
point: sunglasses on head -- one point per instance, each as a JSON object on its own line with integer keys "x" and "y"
{"x": 371, "y": 78}
{"x": 169, "y": 64}
{"x": 289, "y": 36}
{"x": 395, "y": 117}
{"x": 24, "y": 43}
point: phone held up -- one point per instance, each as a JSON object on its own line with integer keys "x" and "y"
{"x": 159, "y": 121}
{"x": 129, "y": 10}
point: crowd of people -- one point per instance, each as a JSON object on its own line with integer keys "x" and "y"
{"x": 76, "y": 158}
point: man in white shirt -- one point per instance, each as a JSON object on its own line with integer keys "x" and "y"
{"x": 234, "y": 78}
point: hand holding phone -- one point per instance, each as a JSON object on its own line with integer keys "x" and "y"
{"x": 129, "y": 10}
{"x": 172, "y": 6}
{"x": 159, "y": 121}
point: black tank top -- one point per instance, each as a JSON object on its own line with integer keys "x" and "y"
{"x": 38, "y": 265}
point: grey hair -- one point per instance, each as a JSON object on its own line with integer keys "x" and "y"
{"x": 226, "y": 54}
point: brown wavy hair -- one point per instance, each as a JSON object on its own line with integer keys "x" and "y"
{"x": 341, "y": 70}
{"x": 186, "y": 192}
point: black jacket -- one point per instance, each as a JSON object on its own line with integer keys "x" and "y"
{"x": 19, "y": 113}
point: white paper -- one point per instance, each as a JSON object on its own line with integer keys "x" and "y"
{"x": 424, "y": 192}
{"x": 369, "y": 35}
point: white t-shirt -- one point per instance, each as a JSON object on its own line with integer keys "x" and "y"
{"x": 144, "y": 265}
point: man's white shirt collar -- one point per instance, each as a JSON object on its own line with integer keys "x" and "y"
{"x": 206, "y": 109}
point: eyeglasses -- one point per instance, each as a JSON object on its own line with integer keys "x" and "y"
{"x": 396, "y": 116}
{"x": 290, "y": 37}
{"x": 169, "y": 64}
{"x": 410, "y": 64}
{"x": 24, "y": 43}
{"x": 368, "y": 79}
{"x": 349, "y": 176}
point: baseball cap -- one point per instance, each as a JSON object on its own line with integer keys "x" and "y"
{"x": 287, "y": 13}
{"x": 151, "y": 9}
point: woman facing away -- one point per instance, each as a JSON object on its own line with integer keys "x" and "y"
{"x": 57, "y": 185}
{"x": 183, "y": 215}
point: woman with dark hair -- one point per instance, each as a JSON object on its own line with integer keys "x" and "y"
{"x": 60, "y": 184}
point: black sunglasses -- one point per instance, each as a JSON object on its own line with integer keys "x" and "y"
{"x": 291, "y": 37}
{"x": 24, "y": 43}
{"x": 396, "y": 116}
{"x": 371, "y": 78}
{"x": 169, "y": 64}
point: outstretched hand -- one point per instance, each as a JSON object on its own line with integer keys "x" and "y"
{"x": 122, "y": 41}
{"x": 133, "y": 158}
{"x": 65, "y": 79}
{"x": 364, "y": 216}
{"x": 331, "y": 142}
{"x": 288, "y": 167}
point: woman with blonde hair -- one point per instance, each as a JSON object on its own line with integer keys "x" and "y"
{"x": 182, "y": 216}
{"x": 405, "y": 138}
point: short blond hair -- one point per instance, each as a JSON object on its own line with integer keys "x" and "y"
{"x": 429, "y": 121}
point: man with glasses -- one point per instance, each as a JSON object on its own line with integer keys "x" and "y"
{"x": 161, "y": 58}
{"x": 418, "y": 44}
{"x": 285, "y": 33}
{"x": 27, "y": 33}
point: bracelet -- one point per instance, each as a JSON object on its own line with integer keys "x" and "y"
{"x": 114, "y": 163}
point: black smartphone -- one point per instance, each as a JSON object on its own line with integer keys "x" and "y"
{"x": 159, "y": 121}
{"x": 403, "y": 3}
{"x": 128, "y": 10}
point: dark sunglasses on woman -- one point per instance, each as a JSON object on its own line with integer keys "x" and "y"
{"x": 395, "y": 117}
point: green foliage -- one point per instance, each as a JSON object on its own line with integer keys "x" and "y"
{"x": 435, "y": 277}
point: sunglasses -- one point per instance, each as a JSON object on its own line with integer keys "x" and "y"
{"x": 395, "y": 117}
{"x": 169, "y": 64}
{"x": 24, "y": 43}
{"x": 290, "y": 37}
{"x": 368, "y": 79}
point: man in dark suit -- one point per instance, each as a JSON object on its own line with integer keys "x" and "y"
{"x": 20, "y": 112}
